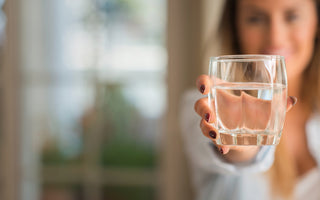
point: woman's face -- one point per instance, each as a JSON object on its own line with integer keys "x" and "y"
{"x": 279, "y": 27}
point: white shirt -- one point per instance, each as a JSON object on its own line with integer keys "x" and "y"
{"x": 214, "y": 178}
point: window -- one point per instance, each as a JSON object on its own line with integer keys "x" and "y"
{"x": 94, "y": 95}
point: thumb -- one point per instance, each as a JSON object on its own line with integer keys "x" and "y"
{"x": 291, "y": 101}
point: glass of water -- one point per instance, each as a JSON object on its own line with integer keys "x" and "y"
{"x": 248, "y": 95}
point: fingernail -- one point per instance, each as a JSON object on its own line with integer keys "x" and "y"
{"x": 213, "y": 134}
{"x": 294, "y": 100}
{"x": 221, "y": 150}
{"x": 207, "y": 117}
{"x": 202, "y": 88}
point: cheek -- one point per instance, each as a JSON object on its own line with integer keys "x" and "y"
{"x": 307, "y": 42}
{"x": 305, "y": 37}
{"x": 303, "y": 47}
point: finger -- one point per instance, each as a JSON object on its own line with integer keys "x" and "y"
{"x": 223, "y": 149}
{"x": 291, "y": 101}
{"x": 208, "y": 130}
{"x": 249, "y": 150}
{"x": 212, "y": 134}
{"x": 203, "y": 109}
{"x": 203, "y": 84}
{"x": 239, "y": 153}
{"x": 244, "y": 149}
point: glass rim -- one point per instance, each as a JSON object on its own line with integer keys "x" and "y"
{"x": 245, "y": 58}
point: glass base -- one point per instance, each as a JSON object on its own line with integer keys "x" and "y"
{"x": 248, "y": 139}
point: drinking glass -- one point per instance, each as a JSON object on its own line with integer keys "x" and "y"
{"x": 248, "y": 95}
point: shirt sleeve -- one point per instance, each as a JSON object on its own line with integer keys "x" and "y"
{"x": 200, "y": 149}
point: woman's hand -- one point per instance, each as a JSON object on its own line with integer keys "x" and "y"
{"x": 231, "y": 153}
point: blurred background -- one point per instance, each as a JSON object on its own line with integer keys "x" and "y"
{"x": 90, "y": 94}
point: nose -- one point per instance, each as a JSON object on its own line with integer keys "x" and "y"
{"x": 277, "y": 33}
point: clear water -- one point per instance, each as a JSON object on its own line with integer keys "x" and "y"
{"x": 249, "y": 113}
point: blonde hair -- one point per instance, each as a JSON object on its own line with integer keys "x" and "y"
{"x": 283, "y": 173}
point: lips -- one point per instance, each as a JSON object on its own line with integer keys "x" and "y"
{"x": 282, "y": 52}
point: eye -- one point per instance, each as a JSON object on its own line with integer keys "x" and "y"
{"x": 255, "y": 19}
{"x": 291, "y": 17}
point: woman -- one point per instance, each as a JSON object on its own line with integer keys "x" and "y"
{"x": 291, "y": 169}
